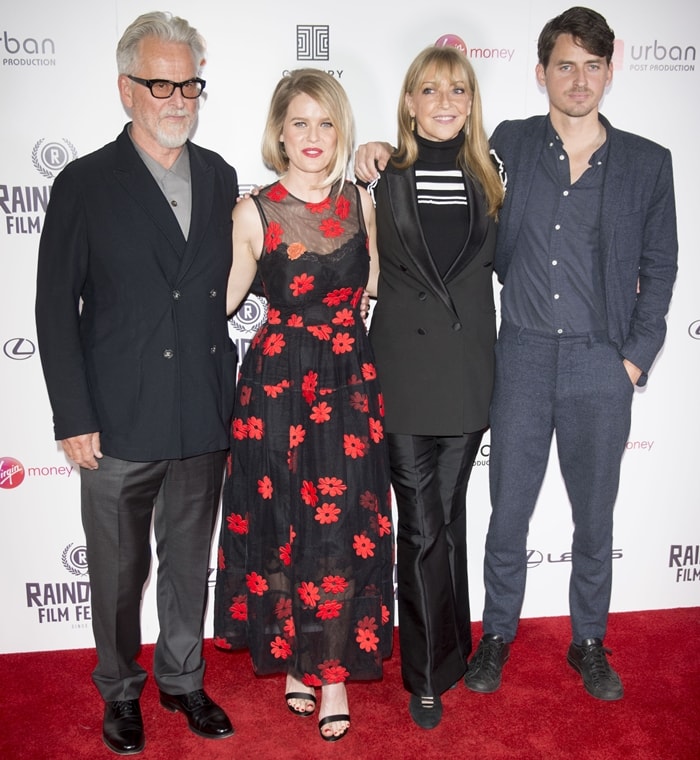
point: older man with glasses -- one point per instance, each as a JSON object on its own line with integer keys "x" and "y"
{"x": 131, "y": 319}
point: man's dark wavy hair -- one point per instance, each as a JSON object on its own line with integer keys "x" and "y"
{"x": 588, "y": 28}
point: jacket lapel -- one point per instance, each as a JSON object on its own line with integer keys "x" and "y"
{"x": 202, "y": 179}
{"x": 476, "y": 234}
{"x": 133, "y": 175}
{"x": 404, "y": 208}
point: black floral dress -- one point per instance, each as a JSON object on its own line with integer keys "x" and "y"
{"x": 306, "y": 549}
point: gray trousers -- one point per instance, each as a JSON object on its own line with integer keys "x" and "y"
{"x": 120, "y": 501}
{"x": 579, "y": 387}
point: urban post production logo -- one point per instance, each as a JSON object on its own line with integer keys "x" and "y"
{"x": 19, "y": 349}
{"x": 19, "y": 51}
{"x": 654, "y": 56}
{"x": 63, "y": 601}
{"x": 24, "y": 205}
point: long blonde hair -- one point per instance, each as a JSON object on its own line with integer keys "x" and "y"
{"x": 474, "y": 158}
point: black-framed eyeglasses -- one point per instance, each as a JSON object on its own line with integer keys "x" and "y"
{"x": 164, "y": 88}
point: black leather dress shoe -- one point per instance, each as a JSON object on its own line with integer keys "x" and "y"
{"x": 122, "y": 727}
{"x": 204, "y": 717}
{"x": 599, "y": 679}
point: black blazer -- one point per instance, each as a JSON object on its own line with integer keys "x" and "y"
{"x": 131, "y": 317}
{"x": 433, "y": 338}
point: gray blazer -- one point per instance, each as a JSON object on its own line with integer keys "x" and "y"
{"x": 638, "y": 238}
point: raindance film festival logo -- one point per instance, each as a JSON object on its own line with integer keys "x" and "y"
{"x": 313, "y": 42}
{"x": 250, "y": 316}
{"x": 24, "y": 206}
{"x": 11, "y": 473}
{"x": 684, "y": 560}
{"x": 50, "y": 157}
{"x": 63, "y": 601}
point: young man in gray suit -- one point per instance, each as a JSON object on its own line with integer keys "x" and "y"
{"x": 586, "y": 251}
{"x": 131, "y": 320}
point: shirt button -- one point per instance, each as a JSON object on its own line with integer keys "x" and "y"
{"x": 562, "y": 158}
{"x": 173, "y": 203}
{"x": 212, "y": 350}
{"x": 556, "y": 296}
{"x": 565, "y": 193}
{"x": 212, "y": 293}
{"x": 554, "y": 263}
{"x": 557, "y": 226}
{"x": 176, "y": 295}
{"x": 168, "y": 353}
{"x": 559, "y": 331}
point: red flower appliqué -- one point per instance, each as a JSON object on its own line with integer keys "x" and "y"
{"x": 342, "y": 207}
{"x": 256, "y": 583}
{"x": 342, "y": 343}
{"x": 265, "y": 488}
{"x": 354, "y": 446}
{"x": 331, "y": 228}
{"x": 302, "y": 283}
{"x": 308, "y": 493}
{"x": 309, "y": 593}
{"x": 329, "y": 609}
{"x": 363, "y": 546}
{"x": 278, "y": 192}
{"x": 273, "y": 236}
{"x": 331, "y": 486}
{"x": 237, "y": 524}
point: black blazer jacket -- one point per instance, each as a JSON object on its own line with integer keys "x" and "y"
{"x": 433, "y": 338}
{"x": 131, "y": 317}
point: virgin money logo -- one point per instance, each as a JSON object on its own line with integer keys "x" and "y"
{"x": 475, "y": 51}
{"x": 11, "y": 472}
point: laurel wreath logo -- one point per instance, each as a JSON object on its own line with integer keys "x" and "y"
{"x": 68, "y": 565}
{"x": 37, "y": 163}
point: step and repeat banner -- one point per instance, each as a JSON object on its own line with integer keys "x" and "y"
{"x": 59, "y": 79}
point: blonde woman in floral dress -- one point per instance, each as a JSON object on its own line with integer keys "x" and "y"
{"x": 306, "y": 549}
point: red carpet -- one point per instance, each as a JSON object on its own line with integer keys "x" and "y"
{"x": 51, "y": 711}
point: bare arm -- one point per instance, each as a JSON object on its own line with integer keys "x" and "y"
{"x": 371, "y": 158}
{"x": 371, "y": 224}
{"x": 247, "y": 244}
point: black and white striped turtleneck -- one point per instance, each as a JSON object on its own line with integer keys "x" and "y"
{"x": 442, "y": 199}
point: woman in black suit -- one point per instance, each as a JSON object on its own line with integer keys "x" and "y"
{"x": 433, "y": 330}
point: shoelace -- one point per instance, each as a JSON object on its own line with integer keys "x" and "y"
{"x": 427, "y": 703}
{"x": 600, "y": 668}
{"x": 487, "y": 656}
{"x": 125, "y": 708}
{"x": 197, "y": 699}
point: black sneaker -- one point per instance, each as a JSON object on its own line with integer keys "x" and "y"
{"x": 425, "y": 711}
{"x": 484, "y": 671}
{"x": 600, "y": 680}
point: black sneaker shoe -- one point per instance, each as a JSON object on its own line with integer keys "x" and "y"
{"x": 600, "y": 680}
{"x": 484, "y": 671}
{"x": 425, "y": 711}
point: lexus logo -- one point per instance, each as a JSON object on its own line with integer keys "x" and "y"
{"x": 534, "y": 558}
{"x": 694, "y": 330}
{"x": 19, "y": 349}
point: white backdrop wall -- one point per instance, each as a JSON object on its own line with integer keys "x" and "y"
{"x": 58, "y": 76}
